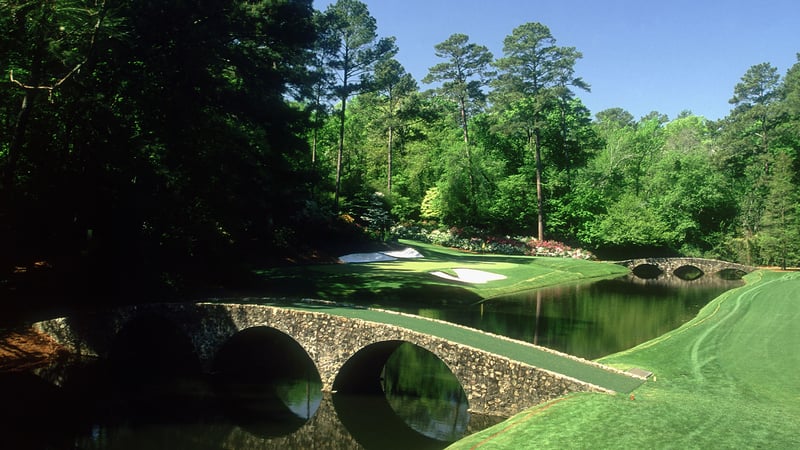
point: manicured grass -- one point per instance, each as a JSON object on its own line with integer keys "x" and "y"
{"x": 410, "y": 279}
{"x": 515, "y": 350}
{"x": 727, "y": 379}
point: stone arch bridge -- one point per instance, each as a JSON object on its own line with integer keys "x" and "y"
{"x": 348, "y": 352}
{"x": 672, "y": 267}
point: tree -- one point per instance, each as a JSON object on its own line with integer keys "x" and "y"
{"x": 318, "y": 89}
{"x": 791, "y": 89}
{"x": 52, "y": 41}
{"x": 394, "y": 87}
{"x": 614, "y": 117}
{"x": 755, "y": 94}
{"x": 462, "y": 77}
{"x": 780, "y": 224}
{"x": 172, "y": 146}
{"x": 352, "y": 47}
{"x": 534, "y": 71}
{"x": 745, "y": 143}
{"x": 564, "y": 79}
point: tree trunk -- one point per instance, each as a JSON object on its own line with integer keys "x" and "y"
{"x": 539, "y": 195}
{"x": 18, "y": 137}
{"x": 339, "y": 154}
{"x": 564, "y": 106}
{"x": 315, "y": 132}
{"x": 472, "y": 189}
{"x": 389, "y": 157}
{"x": 463, "y": 112}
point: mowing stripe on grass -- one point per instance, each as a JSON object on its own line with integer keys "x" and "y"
{"x": 580, "y": 369}
{"x": 726, "y": 379}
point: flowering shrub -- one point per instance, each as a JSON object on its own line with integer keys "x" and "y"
{"x": 536, "y": 247}
{"x": 475, "y": 241}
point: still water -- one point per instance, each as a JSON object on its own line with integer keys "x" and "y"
{"x": 169, "y": 404}
{"x": 589, "y": 320}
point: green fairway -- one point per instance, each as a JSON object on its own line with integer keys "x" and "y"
{"x": 727, "y": 379}
{"x": 411, "y": 279}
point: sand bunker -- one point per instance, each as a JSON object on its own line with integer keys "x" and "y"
{"x": 470, "y": 276}
{"x": 380, "y": 256}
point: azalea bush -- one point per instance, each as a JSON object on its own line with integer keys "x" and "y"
{"x": 555, "y": 248}
{"x": 474, "y": 240}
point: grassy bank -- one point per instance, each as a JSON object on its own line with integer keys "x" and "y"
{"x": 726, "y": 379}
{"x": 411, "y": 279}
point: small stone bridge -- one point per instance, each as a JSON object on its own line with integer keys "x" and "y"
{"x": 672, "y": 267}
{"x": 348, "y": 353}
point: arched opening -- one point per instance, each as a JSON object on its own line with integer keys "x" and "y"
{"x": 407, "y": 388}
{"x": 731, "y": 274}
{"x": 266, "y": 382}
{"x": 151, "y": 348}
{"x": 647, "y": 271}
{"x": 151, "y": 376}
{"x": 688, "y": 272}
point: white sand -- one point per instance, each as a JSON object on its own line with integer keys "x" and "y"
{"x": 470, "y": 276}
{"x": 380, "y": 256}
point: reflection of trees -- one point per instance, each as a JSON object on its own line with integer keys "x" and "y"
{"x": 89, "y": 406}
{"x": 425, "y": 393}
{"x": 595, "y": 319}
{"x": 256, "y": 371}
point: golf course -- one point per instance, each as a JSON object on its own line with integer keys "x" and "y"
{"x": 729, "y": 378}
{"x": 413, "y": 279}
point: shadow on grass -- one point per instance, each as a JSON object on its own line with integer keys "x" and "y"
{"x": 412, "y": 283}
{"x": 453, "y": 255}
{"x": 363, "y": 284}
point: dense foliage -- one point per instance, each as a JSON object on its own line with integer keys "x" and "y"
{"x": 161, "y": 140}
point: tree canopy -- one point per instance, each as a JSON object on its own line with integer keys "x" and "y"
{"x": 170, "y": 142}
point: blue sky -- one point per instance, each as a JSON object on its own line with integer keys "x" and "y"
{"x": 659, "y": 55}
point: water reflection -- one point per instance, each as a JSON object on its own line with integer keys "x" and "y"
{"x": 410, "y": 397}
{"x": 424, "y": 392}
{"x": 264, "y": 393}
{"x": 266, "y": 382}
{"x": 92, "y": 405}
{"x": 591, "y": 320}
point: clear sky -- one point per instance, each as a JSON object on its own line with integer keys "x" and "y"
{"x": 642, "y": 56}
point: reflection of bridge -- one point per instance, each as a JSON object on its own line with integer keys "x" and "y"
{"x": 348, "y": 348}
{"x": 668, "y": 267}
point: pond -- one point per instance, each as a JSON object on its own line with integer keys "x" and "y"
{"x": 589, "y": 320}
{"x": 107, "y": 405}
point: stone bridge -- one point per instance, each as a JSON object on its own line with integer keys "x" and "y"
{"x": 684, "y": 268}
{"x": 347, "y": 353}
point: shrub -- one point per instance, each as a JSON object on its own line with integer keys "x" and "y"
{"x": 474, "y": 240}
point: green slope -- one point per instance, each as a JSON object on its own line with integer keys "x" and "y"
{"x": 411, "y": 279}
{"x": 727, "y": 379}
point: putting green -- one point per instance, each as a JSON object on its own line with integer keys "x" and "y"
{"x": 410, "y": 280}
{"x": 726, "y": 379}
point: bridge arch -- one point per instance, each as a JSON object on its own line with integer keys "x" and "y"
{"x": 150, "y": 341}
{"x": 362, "y": 372}
{"x": 688, "y": 272}
{"x": 493, "y": 384}
{"x": 266, "y": 353}
{"x": 647, "y": 271}
{"x": 688, "y": 269}
{"x": 376, "y": 371}
{"x": 254, "y": 371}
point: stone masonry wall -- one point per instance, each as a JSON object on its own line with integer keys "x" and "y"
{"x": 493, "y": 384}
{"x": 669, "y": 265}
